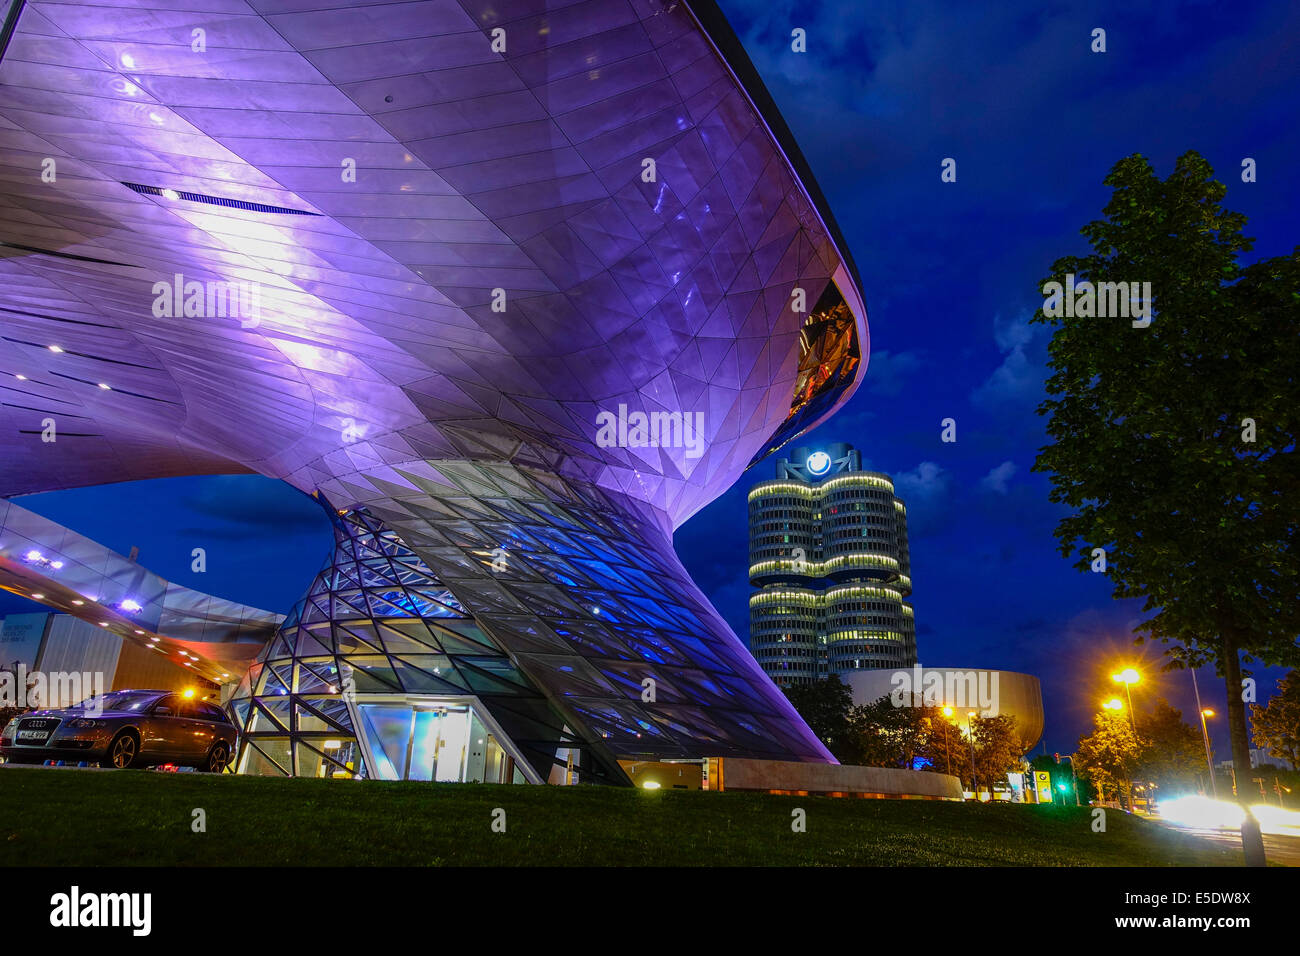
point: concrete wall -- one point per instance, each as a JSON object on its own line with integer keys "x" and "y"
{"x": 735, "y": 773}
{"x": 73, "y": 646}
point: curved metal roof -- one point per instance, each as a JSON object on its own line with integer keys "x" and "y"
{"x": 375, "y": 172}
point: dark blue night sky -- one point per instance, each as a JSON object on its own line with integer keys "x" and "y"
{"x": 950, "y": 272}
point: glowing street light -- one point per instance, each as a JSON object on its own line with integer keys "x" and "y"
{"x": 947, "y": 751}
{"x": 1128, "y": 677}
{"x": 970, "y": 732}
{"x": 1209, "y": 761}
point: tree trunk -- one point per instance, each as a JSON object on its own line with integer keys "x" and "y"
{"x": 1252, "y": 842}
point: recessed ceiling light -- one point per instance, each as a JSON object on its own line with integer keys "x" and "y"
{"x": 107, "y": 388}
{"x": 103, "y": 624}
{"x": 55, "y": 349}
{"x": 21, "y": 378}
{"x": 37, "y": 597}
{"x": 171, "y": 194}
{"x": 78, "y": 603}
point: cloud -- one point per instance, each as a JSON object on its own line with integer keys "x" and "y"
{"x": 925, "y": 491}
{"x": 1019, "y": 379}
{"x": 996, "y": 480}
{"x": 926, "y": 482}
{"x": 887, "y": 371}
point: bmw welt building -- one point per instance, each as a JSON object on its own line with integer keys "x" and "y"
{"x": 512, "y": 288}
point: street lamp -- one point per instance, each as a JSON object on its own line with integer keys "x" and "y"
{"x": 1116, "y": 704}
{"x": 1128, "y": 677}
{"x": 970, "y": 732}
{"x": 1205, "y": 734}
{"x": 947, "y": 752}
{"x": 1209, "y": 761}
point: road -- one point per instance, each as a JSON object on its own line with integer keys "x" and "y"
{"x": 1278, "y": 848}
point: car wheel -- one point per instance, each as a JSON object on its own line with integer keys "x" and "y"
{"x": 122, "y": 752}
{"x": 218, "y": 758}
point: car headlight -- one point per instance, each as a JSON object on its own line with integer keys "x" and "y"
{"x": 85, "y": 723}
{"x": 10, "y": 728}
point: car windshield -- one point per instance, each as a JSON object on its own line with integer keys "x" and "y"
{"x": 118, "y": 700}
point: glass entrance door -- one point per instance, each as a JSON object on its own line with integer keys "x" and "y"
{"x": 439, "y": 744}
{"x": 435, "y": 741}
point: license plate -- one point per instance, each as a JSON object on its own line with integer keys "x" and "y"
{"x": 39, "y": 736}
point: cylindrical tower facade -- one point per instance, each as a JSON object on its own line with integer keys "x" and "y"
{"x": 829, "y": 558}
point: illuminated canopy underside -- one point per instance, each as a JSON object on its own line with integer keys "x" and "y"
{"x": 475, "y": 171}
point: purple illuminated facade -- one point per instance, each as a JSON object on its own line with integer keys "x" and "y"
{"x": 512, "y": 288}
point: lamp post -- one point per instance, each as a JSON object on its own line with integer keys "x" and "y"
{"x": 1116, "y": 704}
{"x": 947, "y": 752}
{"x": 1209, "y": 761}
{"x": 970, "y": 732}
{"x": 1128, "y": 677}
{"x": 1205, "y": 735}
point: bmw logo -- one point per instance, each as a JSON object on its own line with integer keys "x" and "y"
{"x": 818, "y": 463}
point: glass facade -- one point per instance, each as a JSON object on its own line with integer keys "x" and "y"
{"x": 505, "y": 626}
{"x": 830, "y": 356}
{"x": 380, "y": 672}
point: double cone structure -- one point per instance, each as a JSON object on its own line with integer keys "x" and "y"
{"x": 512, "y": 288}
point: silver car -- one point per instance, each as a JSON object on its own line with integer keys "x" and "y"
{"x": 125, "y": 728}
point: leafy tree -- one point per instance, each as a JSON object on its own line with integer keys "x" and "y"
{"x": 1171, "y": 752}
{"x": 997, "y": 750}
{"x": 888, "y": 736}
{"x": 1109, "y": 755}
{"x": 946, "y": 749}
{"x": 824, "y": 705}
{"x": 1277, "y": 724}
{"x": 1174, "y": 445}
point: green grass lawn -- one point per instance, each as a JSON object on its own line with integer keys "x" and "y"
{"x": 69, "y": 817}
